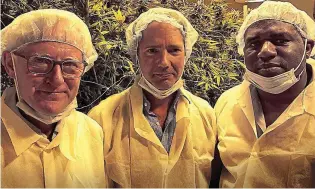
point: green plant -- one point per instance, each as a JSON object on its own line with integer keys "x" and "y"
{"x": 214, "y": 65}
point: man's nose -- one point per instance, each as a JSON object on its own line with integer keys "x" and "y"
{"x": 268, "y": 51}
{"x": 55, "y": 77}
{"x": 164, "y": 59}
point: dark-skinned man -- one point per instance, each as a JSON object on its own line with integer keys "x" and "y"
{"x": 266, "y": 125}
{"x": 157, "y": 134}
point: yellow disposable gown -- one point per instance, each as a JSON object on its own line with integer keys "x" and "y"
{"x": 74, "y": 158}
{"x": 135, "y": 157}
{"x": 283, "y": 156}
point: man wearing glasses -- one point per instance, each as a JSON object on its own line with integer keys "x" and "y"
{"x": 45, "y": 142}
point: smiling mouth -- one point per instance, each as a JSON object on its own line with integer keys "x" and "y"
{"x": 51, "y": 96}
{"x": 51, "y": 93}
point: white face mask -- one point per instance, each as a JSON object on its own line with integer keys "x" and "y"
{"x": 27, "y": 109}
{"x": 47, "y": 119}
{"x": 278, "y": 83}
{"x": 157, "y": 93}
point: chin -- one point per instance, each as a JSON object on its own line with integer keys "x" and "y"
{"x": 51, "y": 108}
{"x": 270, "y": 72}
{"x": 164, "y": 86}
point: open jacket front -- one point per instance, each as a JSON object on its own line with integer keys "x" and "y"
{"x": 135, "y": 157}
{"x": 283, "y": 156}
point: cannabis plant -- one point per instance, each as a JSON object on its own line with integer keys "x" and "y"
{"x": 214, "y": 65}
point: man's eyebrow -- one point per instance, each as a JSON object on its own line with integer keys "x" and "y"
{"x": 49, "y": 56}
{"x": 272, "y": 35}
{"x": 251, "y": 38}
{"x": 152, "y": 46}
{"x": 71, "y": 58}
{"x": 175, "y": 46}
{"x": 41, "y": 54}
{"x": 282, "y": 34}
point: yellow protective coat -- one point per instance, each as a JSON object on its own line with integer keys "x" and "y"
{"x": 283, "y": 156}
{"x": 74, "y": 158}
{"x": 135, "y": 157}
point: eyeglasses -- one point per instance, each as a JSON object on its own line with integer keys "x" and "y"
{"x": 40, "y": 65}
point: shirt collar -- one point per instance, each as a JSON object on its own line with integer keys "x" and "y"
{"x": 140, "y": 123}
{"x": 309, "y": 93}
{"x": 304, "y": 102}
{"x": 23, "y": 136}
{"x": 68, "y": 130}
{"x": 147, "y": 104}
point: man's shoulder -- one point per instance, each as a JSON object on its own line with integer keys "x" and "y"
{"x": 82, "y": 118}
{"x": 86, "y": 123}
{"x": 199, "y": 103}
{"x": 229, "y": 97}
{"x": 106, "y": 110}
{"x": 232, "y": 93}
{"x": 110, "y": 103}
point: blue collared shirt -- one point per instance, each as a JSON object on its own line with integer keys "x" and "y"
{"x": 165, "y": 136}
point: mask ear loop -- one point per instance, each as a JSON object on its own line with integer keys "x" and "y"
{"x": 305, "y": 45}
{"x": 15, "y": 78}
{"x": 138, "y": 62}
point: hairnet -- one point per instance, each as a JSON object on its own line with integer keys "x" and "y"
{"x": 281, "y": 11}
{"x": 173, "y": 17}
{"x": 49, "y": 25}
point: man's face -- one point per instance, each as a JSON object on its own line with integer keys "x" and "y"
{"x": 161, "y": 54}
{"x": 50, "y": 93}
{"x": 273, "y": 47}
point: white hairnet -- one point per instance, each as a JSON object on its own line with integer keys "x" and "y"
{"x": 281, "y": 11}
{"x": 49, "y": 25}
{"x": 173, "y": 17}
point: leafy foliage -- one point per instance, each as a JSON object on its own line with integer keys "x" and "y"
{"x": 214, "y": 65}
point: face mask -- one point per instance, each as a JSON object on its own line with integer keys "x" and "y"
{"x": 157, "y": 93}
{"x": 47, "y": 119}
{"x": 27, "y": 109}
{"x": 278, "y": 83}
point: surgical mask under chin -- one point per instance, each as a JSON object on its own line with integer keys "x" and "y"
{"x": 45, "y": 118}
{"x": 157, "y": 93}
{"x": 278, "y": 83}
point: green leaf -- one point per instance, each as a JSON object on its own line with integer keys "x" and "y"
{"x": 201, "y": 83}
{"x": 119, "y": 17}
{"x": 131, "y": 66}
{"x": 218, "y": 79}
{"x": 102, "y": 43}
{"x": 241, "y": 63}
{"x": 104, "y": 32}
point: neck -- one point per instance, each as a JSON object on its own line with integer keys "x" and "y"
{"x": 159, "y": 103}
{"x": 160, "y": 107}
{"x": 46, "y": 129}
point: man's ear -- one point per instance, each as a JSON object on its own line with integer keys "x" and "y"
{"x": 6, "y": 60}
{"x": 309, "y": 47}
